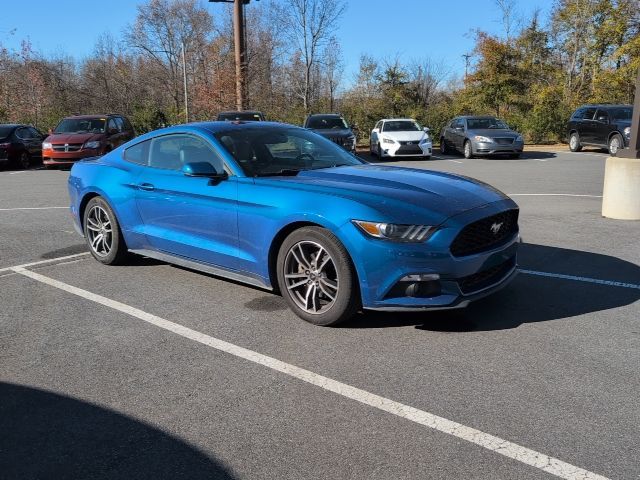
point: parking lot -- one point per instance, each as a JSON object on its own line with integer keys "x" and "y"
{"x": 154, "y": 371}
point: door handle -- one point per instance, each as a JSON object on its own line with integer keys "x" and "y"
{"x": 146, "y": 186}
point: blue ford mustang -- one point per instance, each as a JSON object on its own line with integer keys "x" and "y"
{"x": 282, "y": 208}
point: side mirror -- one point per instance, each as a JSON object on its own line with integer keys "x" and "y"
{"x": 202, "y": 169}
{"x": 426, "y": 129}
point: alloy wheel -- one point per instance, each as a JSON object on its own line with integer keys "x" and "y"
{"x": 573, "y": 142}
{"x": 99, "y": 231}
{"x": 24, "y": 160}
{"x": 311, "y": 277}
{"x": 614, "y": 145}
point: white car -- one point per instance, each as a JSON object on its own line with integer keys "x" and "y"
{"x": 400, "y": 137}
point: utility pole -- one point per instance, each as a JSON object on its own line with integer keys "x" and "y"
{"x": 240, "y": 47}
{"x": 184, "y": 78}
{"x": 466, "y": 57}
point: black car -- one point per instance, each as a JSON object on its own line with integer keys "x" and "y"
{"x": 606, "y": 126}
{"x": 333, "y": 127}
{"x": 20, "y": 145}
{"x": 241, "y": 116}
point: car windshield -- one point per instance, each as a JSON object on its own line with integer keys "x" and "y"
{"x": 270, "y": 151}
{"x": 621, "y": 113}
{"x": 326, "y": 123}
{"x": 239, "y": 116}
{"x": 5, "y": 131}
{"x": 81, "y": 125}
{"x": 485, "y": 123}
{"x": 401, "y": 126}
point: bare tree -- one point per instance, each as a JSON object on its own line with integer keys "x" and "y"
{"x": 509, "y": 16}
{"x": 309, "y": 24}
{"x": 333, "y": 69}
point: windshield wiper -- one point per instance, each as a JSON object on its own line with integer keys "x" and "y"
{"x": 288, "y": 172}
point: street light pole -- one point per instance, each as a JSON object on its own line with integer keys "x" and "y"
{"x": 184, "y": 79}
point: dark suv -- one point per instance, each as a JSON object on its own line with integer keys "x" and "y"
{"x": 333, "y": 127}
{"x": 607, "y": 126}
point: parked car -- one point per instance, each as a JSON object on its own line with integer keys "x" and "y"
{"x": 334, "y": 127}
{"x": 84, "y": 136}
{"x": 281, "y": 208}
{"x": 400, "y": 137}
{"x": 243, "y": 116}
{"x": 480, "y": 136}
{"x": 20, "y": 145}
{"x": 607, "y": 126}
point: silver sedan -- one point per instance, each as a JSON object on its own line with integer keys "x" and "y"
{"x": 479, "y": 136}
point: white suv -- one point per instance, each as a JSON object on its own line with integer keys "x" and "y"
{"x": 400, "y": 137}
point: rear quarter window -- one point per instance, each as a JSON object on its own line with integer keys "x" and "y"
{"x": 138, "y": 153}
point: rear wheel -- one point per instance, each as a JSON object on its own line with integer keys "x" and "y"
{"x": 468, "y": 153}
{"x": 25, "y": 160}
{"x": 574, "y": 142}
{"x": 615, "y": 144}
{"x": 102, "y": 233}
{"x": 317, "y": 278}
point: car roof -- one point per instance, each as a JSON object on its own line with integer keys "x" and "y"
{"x": 476, "y": 116}
{"x": 398, "y": 119}
{"x": 324, "y": 115}
{"x": 13, "y": 125}
{"x": 239, "y": 111}
{"x": 97, "y": 115}
{"x": 605, "y": 105}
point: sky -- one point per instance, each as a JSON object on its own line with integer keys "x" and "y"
{"x": 411, "y": 30}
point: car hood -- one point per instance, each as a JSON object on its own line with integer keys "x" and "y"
{"x": 494, "y": 132}
{"x": 417, "y": 195}
{"x": 73, "y": 137}
{"x": 333, "y": 132}
{"x": 404, "y": 136}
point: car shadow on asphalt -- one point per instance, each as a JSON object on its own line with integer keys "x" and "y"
{"x": 530, "y": 298}
{"x": 49, "y": 435}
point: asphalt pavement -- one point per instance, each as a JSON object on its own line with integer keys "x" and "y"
{"x": 154, "y": 371}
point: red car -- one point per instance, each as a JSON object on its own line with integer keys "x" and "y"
{"x": 83, "y": 136}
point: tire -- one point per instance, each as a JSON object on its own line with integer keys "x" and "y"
{"x": 468, "y": 152}
{"x": 379, "y": 149}
{"x": 615, "y": 144}
{"x": 574, "y": 142}
{"x": 24, "y": 161}
{"x": 443, "y": 147}
{"x": 371, "y": 152}
{"x": 99, "y": 219}
{"x": 308, "y": 287}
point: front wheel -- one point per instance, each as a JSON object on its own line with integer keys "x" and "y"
{"x": 102, "y": 233}
{"x": 317, "y": 278}
{"x": 468, "y": 153}
{"x": 615, "y": 144}
{"x": 25, "y": 160}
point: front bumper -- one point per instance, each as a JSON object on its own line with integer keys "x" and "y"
{"x": 491, "y": 148}
{"x": 381, "y": 265}
{"x": 53, "y": 158}
{"x": 416, "y": 149}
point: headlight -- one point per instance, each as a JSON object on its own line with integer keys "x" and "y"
{"x": 92, "y": 144}
{"x": 46, "y": 145}
{"x": 627, "y": 132}
{"x": 388, "y": 140}
{"x": 519, "y": 139}
{"x": 480, "y": 138}
{"x": 394, "y": 232}
{"x": 426, "y": 139}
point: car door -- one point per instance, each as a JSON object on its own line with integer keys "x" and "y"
{"x": 192, "y": 217}
{"x": 375, "y": 134}
{"x": 457, "y": 134}
{"x": 587, "y": 126}
{"x": 601, "y": 127}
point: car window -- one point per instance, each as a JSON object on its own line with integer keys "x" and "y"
{"x": 327, "y": 123}
{"x": 588, "y": 113}
{"x": 459, "y": 123}
{"x": 127, "y": 124}
{"x": 485, "y": 123}
{"x": 111, "y": 125}
{"x": 172, "y": 152}
{"x": 401, "y": 126}
{"x": 378, "y": 126}
{"x": 602, "y": 115}
{"x": 119, "y": 124}
{"x": 138, "y": 153}
{"x": 578, "y": 114}
{"x": 621, "y": 113}
{"x": 35, "y": 133}
{"x": 270, "y": 150}
{"x": 23, "y": 133}
{"x": 81, "y": 125}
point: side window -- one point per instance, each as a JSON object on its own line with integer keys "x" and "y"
{"x": 111, "y": 125}
{"x": 35, "y": 133}
{"x": 172, "y": 152}
{"x": 138, "y": 153}
{"x": 602, "y": 116}
{"x": 589, "y": 113}
{"x": 119, "y": 124}
{"x": 379, "y": 126}
{"x": 458, "y": 123}
{"x": 578, "y": 114}
{"x": 23, "y": 133}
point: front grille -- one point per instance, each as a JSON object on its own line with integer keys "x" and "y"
{"x": 486, "y": 234}
{"x": 339, "y": 140}
{"x": 503, "y": 141}
{"x": 486, "y": 278}
{"x": 409, "y": 149}
{"x": 69, "y": 147}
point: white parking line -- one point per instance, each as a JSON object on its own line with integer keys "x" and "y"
{"x": 31, "y": 208}
{"x": 551, "y": 195}
{"x": 43, "y": 262}
{"x": 490, "y": 442}
{"x": 610, "y": 283}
